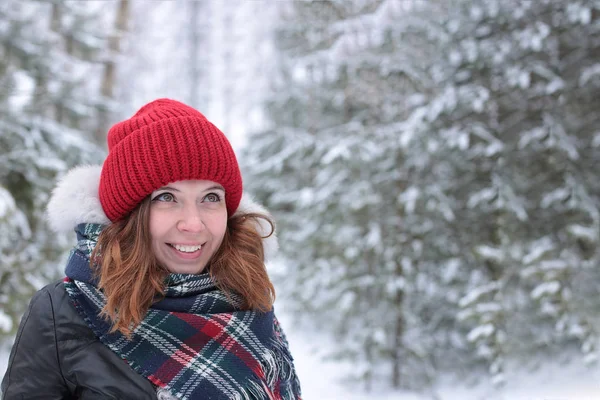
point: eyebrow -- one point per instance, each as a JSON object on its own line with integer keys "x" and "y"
{"x": 167, "y": 188}
{"x": 218, "y": 187}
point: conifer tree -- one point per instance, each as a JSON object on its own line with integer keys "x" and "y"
{"x": 510, "y": 120}
{"x": 329, "y": 171}
{"x": 433, "y": 179}
{"x": 49, "y": 52}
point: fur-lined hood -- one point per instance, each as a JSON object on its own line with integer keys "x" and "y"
{"x": 75, "y": 200}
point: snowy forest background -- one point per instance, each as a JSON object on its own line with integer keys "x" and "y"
{"x": 432, "y": 164}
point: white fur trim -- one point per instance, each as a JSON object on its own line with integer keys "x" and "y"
{"x": 75, "y": 200}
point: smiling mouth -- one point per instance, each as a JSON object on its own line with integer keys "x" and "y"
{"x": 185, "y": 249}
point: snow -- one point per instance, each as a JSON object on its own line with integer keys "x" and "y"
{"x": 579, "y": 13}
{"x": 546, "y": 288}
{"x": 490, "y": 253}
{"x": 7, "y": 203}
{"x": 409, "y": 198}
{"x": 481, "y": 331}
{"x": 323, "y": 380}
{"x": 475, "y": 294}
{"x": 341, "y": 150}
{"x": 5, "y": 322}
{"x": 596, "y": 140}
{"x": 557, "y": 195}
{"x": 584, "y": 232}
{"x": 24, "y": 86}
{"x": 539, "y": 248}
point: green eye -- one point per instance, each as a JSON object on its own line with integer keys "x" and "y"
{"x": 168, "y": 197}
{"x": 212, "y": 198}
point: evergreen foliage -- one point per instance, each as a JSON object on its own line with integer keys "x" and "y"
{"x": 49, "y": 52}
{"x": 433, "y": 173}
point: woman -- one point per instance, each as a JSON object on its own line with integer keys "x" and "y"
{"x": 166, "y": 294}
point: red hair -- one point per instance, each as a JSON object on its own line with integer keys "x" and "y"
{"x": 132, "y": 279}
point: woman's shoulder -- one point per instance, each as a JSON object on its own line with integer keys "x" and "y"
{"x": 42, "y": 301}
{"x": 55, "y": 289}
{"x": 53, "y": 296}
{"x": 68, "y": 323}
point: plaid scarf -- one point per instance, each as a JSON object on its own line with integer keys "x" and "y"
{"x": 195, "y": 343}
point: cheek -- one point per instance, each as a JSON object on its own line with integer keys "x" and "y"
{"x": 152, "y": 224}
{"x": 156, "y": 225}
{"x": 219, "y": 226}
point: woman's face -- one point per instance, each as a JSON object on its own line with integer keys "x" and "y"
{"x": 187, "y": 224}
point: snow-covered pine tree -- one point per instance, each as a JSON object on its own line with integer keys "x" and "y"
{"x": 472, "y": 202}
{"x": 48, "y": 103}
{"x": 510, "y": 120}
{"x": 330, "y": 170}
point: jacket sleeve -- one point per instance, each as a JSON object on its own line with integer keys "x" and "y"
{"x": 33, "y": 366}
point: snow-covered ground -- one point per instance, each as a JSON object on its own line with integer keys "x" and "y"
{"x": 321, "y": 380}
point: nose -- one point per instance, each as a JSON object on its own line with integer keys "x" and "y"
{"x": 190, "y": 220}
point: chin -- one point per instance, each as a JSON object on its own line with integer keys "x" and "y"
{"x": 186, "y": 269}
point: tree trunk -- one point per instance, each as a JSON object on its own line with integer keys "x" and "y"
{"x": 55, "y": 17}
{"x": 55, "y": 25}
{"x": 391, "y": 232}
{"x": 194, "y": 45}
{"x": 110, "y": 68}
{"x": 398, "y": 331}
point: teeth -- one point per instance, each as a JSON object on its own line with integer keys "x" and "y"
{"x": 186, "y": 249}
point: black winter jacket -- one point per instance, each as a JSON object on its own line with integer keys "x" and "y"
{"x": 57, "y": 356}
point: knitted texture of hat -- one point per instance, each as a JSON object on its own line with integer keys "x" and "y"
{"x": 165, "y": 141}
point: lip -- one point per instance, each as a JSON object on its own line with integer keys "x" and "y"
{"x": 186, "y": 256}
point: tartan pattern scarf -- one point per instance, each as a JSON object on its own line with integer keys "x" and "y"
{"x": 195, "y": 343}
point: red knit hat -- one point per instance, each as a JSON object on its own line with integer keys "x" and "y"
{"x": 165, "y": 141}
